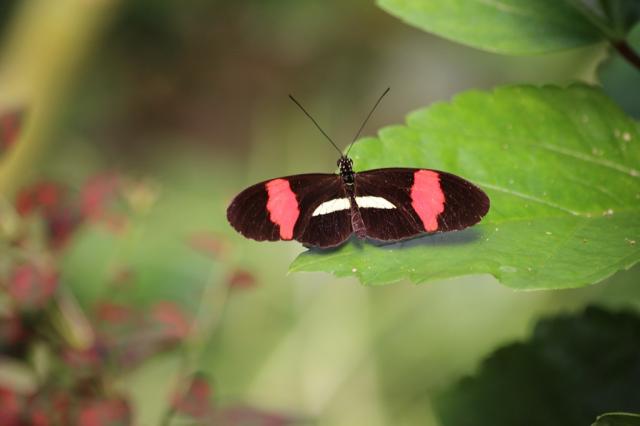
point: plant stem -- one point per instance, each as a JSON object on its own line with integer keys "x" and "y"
{"x": 208, "y": 317}
{"x": 627, "y": 52}
{"x": 615, "y": 36}
{"x": 594, "y": 19}
{"x": 46, "y": 43}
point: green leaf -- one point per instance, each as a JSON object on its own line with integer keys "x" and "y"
{"x": 573, "y": 368}
{"x": 560, "y": 166}
{"x": 618, "y": 419}
{"x": 515, "y": 27}
{"x": 623, "y": 14}
{"x": 620, "y": 79}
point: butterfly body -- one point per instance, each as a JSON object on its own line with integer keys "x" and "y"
{"x": 324, "y": 210}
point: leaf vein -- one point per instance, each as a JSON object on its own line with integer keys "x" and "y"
{"x": 561, "y": 242}
{"x": 503, "y": 7}
{"x": 590, "y": 159}
{"x": 530, "y": 198}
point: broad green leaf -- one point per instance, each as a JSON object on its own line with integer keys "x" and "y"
{"x": 515, "y": 27}
{"x": 560, "y": 166}
{"x": 620, "y": 79}
{"x": 572, "y": 369}
{"x": 623, "y": 14}
{"x": 618, "y": 419}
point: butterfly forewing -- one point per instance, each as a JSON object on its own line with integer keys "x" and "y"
{"x": 283, "y": 209}
{"x": 248, "y": 214}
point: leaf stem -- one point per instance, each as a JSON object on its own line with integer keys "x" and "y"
{"x": 627, "y": 52}
{"x": 45, "y": 49}
{"x": 615, "y": 36}
{"x": 609, "y": 33}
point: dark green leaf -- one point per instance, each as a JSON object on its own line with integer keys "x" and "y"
{"x": 618, "y": 419}
{"x": 623, "y": 14}
{"x": 572, "y": 369}
{"x": 620, "y": 79}
{"x": 560, "y": 167}
{"x": 515, "y": 27}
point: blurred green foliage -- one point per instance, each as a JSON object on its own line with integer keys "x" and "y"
{"x": 159, "y": 311}
{"x": 571, "y": 369}
{"x": 621, "y": 80}
{"x": 6, "y": 10}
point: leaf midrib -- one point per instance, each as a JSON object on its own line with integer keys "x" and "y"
{"x": 582, "y": 216}
{"x": 578, "y": 155}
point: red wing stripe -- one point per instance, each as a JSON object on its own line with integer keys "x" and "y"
{"x": 282, "y": 206}
{"x": 427, "y": 198}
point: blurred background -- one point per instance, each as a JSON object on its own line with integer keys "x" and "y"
{"x": 128, "y": 292}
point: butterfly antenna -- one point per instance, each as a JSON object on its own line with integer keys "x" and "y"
{"x": 316, "y": 123}
{"x": 364, "y": 123}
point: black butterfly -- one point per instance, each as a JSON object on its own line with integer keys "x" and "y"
{"x": 323, "y": 210}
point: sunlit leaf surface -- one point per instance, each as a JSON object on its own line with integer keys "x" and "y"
{"x": 620, "y": 79}
{"x": 561, "y": 166}
{"x": 506, "y": 26}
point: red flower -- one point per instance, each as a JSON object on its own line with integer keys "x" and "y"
{"x": 32, "y": 287}
{"x": 97, "y": 193}
{"x": 10, "y": 408}
{"x": 10, "y": 126}
{"x": 175, "y": 323}
{"x": 62, "y": 224}
{"x": 12, "y": 331}
{"x": 44, "y": 195}
{"x": 208, "y": 243}
{"x": 49, "y": 199}
{"x": 114, "y": 313}
{"x": 108, "y": 412}
{"x": 48, "y": 409}
{"x": 89, "y": 358}
{"x": 242, "y": 279}
{"x": 196, "y": 401}
{"x": 240, "y": 415}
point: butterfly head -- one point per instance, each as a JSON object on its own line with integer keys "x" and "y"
{"x": 346, "y": 169}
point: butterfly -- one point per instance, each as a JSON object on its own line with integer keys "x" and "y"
{"x": 323, "y": 210}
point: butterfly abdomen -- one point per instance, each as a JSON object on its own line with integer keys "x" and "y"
{"x": 357, "y": 224}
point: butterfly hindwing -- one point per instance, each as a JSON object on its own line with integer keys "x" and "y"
{"x": 248, "y": 214}
{"x": 423, "y": 201}
{"x": 283, "y": 209}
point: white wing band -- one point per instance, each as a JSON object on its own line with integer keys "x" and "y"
{"x": 366, "y": 202}
{"x": 331, "y": 206}
{"x": 371, "y": 202}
